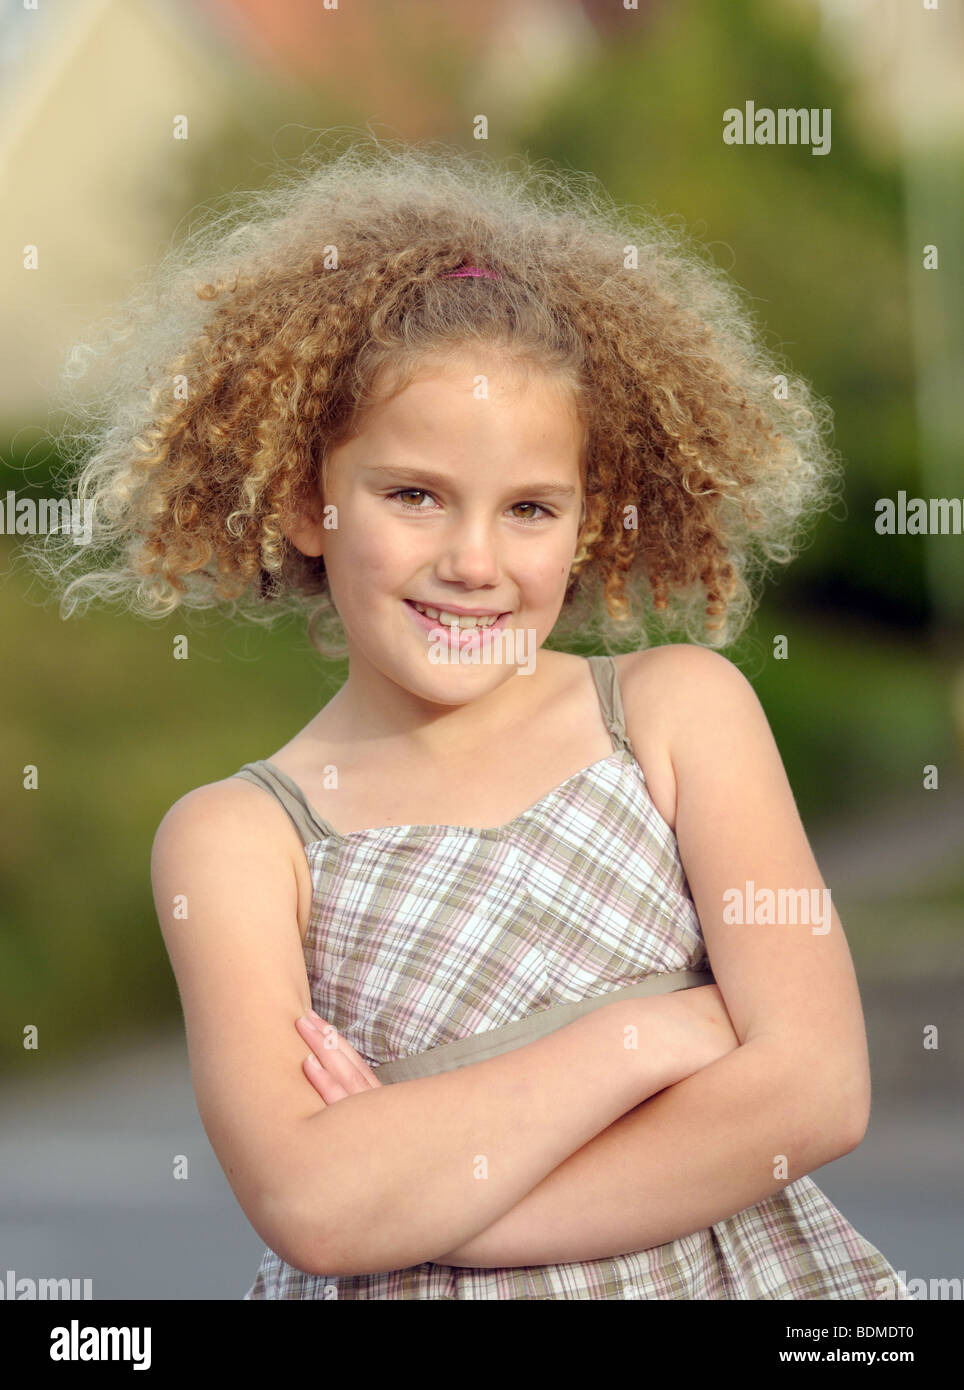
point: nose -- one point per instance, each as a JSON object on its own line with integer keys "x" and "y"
{"x": 469, "y": 555}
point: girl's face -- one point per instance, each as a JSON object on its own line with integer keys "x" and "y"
{"x": 463, "y": 492}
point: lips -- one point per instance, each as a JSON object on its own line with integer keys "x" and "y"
{"x": 480, "y": 613}
{"x": 463, "y": 636}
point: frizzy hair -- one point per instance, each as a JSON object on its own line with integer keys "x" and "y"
{"x": 252, "y": 350}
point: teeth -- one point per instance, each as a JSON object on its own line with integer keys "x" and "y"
{"x": 454, "y": 619}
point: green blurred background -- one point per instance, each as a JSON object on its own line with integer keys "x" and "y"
{"x": 828, "y": 247}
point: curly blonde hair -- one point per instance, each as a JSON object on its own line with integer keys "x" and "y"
{"x": 252, "y": 351}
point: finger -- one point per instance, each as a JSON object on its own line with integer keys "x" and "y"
{"x": 316, "y": 1075}
{"x": 345, "y": 1046}
{"x": 342, "y": 1069}
{"x": 324, "y": 1083}
{"x": 332, "y": 1052}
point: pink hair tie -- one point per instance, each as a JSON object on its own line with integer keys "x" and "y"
{"x": 472, "y": 270}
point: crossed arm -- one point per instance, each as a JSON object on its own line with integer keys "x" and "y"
{"x": 798, "y": 1086}
{"x": 692, "y": 1155}
{"x": 651, "y": 1176}
{"x": 796, "y": 1093}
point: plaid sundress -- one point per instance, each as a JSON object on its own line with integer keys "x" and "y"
{"x": 434, "y": 946}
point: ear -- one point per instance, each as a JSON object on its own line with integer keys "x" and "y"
{"x": 305, "y": 528}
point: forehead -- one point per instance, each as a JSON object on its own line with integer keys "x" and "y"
{"x": 511, "y": 372}
{"x": 478, "y": 390}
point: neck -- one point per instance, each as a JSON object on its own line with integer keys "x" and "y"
{"x": 373, "y": 710}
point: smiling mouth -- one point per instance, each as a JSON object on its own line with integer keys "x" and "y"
{"x": 461, "y": 622}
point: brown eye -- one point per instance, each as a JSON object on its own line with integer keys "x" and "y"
{"x": 529, "y": 520}
{"x": 410, "y": 492}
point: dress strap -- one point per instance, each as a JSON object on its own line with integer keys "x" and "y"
{"x": 313, "y": 827}
{"x": 607, "y": 687}
{"x": 478, "y": 1047}
{"x": 309, "y": 825}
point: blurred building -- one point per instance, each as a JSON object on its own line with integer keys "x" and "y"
{"x": 91, "y": 173}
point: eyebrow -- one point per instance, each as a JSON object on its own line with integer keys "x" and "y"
{"x": 427, "y": 475}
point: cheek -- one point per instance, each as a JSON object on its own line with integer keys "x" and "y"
{"x": 544, "y": 573}
{"x": 372, "y": 558}
{"x": 391, "y": 548}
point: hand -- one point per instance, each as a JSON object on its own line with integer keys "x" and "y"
{"x": 334, "y": 1068}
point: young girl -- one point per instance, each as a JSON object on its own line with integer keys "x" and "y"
{"x": 511, "y": 974}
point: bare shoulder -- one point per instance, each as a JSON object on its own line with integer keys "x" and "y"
{"x": 216, "y": 837}
{"x": 213, "y": 803}
{"x": 232, "y": 800}
{"x": 229, "y": 819}
{"x": 663, "y": 689}
{"x": 679, "y": 671}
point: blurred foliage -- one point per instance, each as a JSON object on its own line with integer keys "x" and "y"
{"x": 816, "y": 241}
{"x": 119, "y": 730}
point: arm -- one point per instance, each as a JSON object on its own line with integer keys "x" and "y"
{"x": 402, "y": 1160}
{"x": 652, "y": 1176}
{"x": 798, "y": 1085}
{"x": 387, "y": 1176}
{"x": 226, "y": 891}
